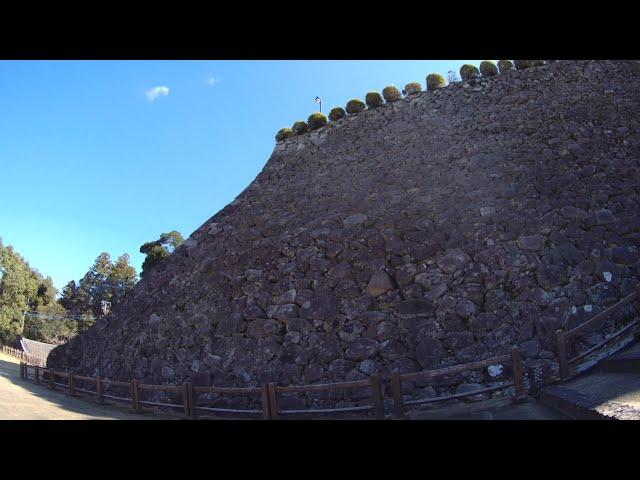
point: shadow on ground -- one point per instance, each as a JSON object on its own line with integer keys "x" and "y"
{"x": 22, "y": 399}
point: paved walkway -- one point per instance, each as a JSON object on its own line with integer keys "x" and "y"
{"x": 497, "y": 409}
{"x": 21, "y": 399}
{"x": 610, "y": 390}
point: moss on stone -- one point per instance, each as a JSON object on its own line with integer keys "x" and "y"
{"x": 522, "y": 64}
{"x": 435, "y": 81}
{"x": 284, "y": 133}
{"x": 336, "y": 114}
{"x": 391, "y": 94}
{"x": 300, "y": 127}
{"x": 468, "y": 72}
{"x": 355, "y": 106}
{"x": 488, "y": 69}
{"x": 505, "y": 65}
{"x": 411, "y": 88}
{"x": 374, "y": 100}
{"x": 317, "y": 120}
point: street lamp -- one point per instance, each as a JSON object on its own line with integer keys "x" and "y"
{"x": 319, "y": 102}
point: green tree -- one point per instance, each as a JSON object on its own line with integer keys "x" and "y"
{"x": 51, "y": 323}
{"x": 104, "y": 282}
{"x": 28, "y": 301}
{"x": 22, "y": 289}
{"x": 93, "y": 288}
{"x": 69, "y": 298}
{"x": 160, "y": 249}
{"x": 122, "y": 277}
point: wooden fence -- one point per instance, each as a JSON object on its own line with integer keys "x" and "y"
{"x": 374, "y": 383}
{"x": 517, "y": 374}
{"x": 267, "y": 395}
{"x": 567, "y": 340}
{"x": 99, "y": 388}
{"x": 14, "y": 352}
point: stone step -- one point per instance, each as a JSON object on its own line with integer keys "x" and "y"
{"x": 494, "y": 409}
{"x": 627, "y": 361}
{"x": 597, "y": 396}
{"x": 572, "y": 404}
{"x": 631, "y": 365}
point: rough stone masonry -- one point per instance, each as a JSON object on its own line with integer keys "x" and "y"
{"x": 441, "y": 229}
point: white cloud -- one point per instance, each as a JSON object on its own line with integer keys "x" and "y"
{"x": 155, "y": 92}
{"x": 211, "y": 81}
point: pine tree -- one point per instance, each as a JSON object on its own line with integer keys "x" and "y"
{"x": 160, "y": 249}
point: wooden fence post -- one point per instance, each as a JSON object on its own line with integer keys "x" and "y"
{"x": 135, "y": 399}
{"x": 562, "y": 355}
{"x": 72, "y": 385}
{"x": 36, "y": 374}
{"x": 192, "y": 400}
{"x": 518, "y": 374}
{"x": 636, "y": 334}
{"x": 273, "y": 401}
{"x": 376, "y": 394}
{"x": 52, "y": 379}
{"x": 21, "y": 370}
{"x": 266, "y": 412}
{"x": 187, "y": 398}
{"x": 396, "y": 387}
{"x": 99, "y": 390}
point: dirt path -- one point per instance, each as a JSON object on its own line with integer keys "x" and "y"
{"x": 23, "y": 400}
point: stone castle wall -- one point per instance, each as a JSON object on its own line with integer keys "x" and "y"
{"x": 437, "y": 230}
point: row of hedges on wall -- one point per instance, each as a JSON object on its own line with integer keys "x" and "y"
{"x": 392, "y": 94}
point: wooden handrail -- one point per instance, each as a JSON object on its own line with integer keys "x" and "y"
{"x": 456, "y": 368}
{"x": 602, "y": 315}
{"x": 269, "y": 392}
{"x": 514, "y": 358}
{"x": 374, "y": 383}
{"x": 230, "y": 390}
{"x": 170, "y": 388}
{"x": 460, "y": 395}
{"x": 563, "y": 339}
{"x": 323, "y": 387}
{"x": 604, "y": 342}
{"x": 115, "y": 383}
{"x": 563, "y": 361}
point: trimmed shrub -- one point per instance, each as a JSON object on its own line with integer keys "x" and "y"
{"x": 336, "y": 113}
{"x": 505, "y": 65}
{"x": 300, "y": 127}
{"x": 488, "y": 69}
{"x": 411, "y": 88}
{"x": 355, "y": 106}
{"x": 317, "y": 120}
{"x": 284, "y": 133}
{"x": 468, "y": 72}
{"x": 435, "y": 81}
{"x": 522, "y": 64}
{"x": 391, "y": 94}
{"x": 374, "y": 100}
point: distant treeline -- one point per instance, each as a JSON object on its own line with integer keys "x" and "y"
{"x": 31, "y": 306}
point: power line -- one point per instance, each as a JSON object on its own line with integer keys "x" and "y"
{"x": 52, "y": 316}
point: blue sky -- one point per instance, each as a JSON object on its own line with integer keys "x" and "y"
{"x": 92, "y": 160}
